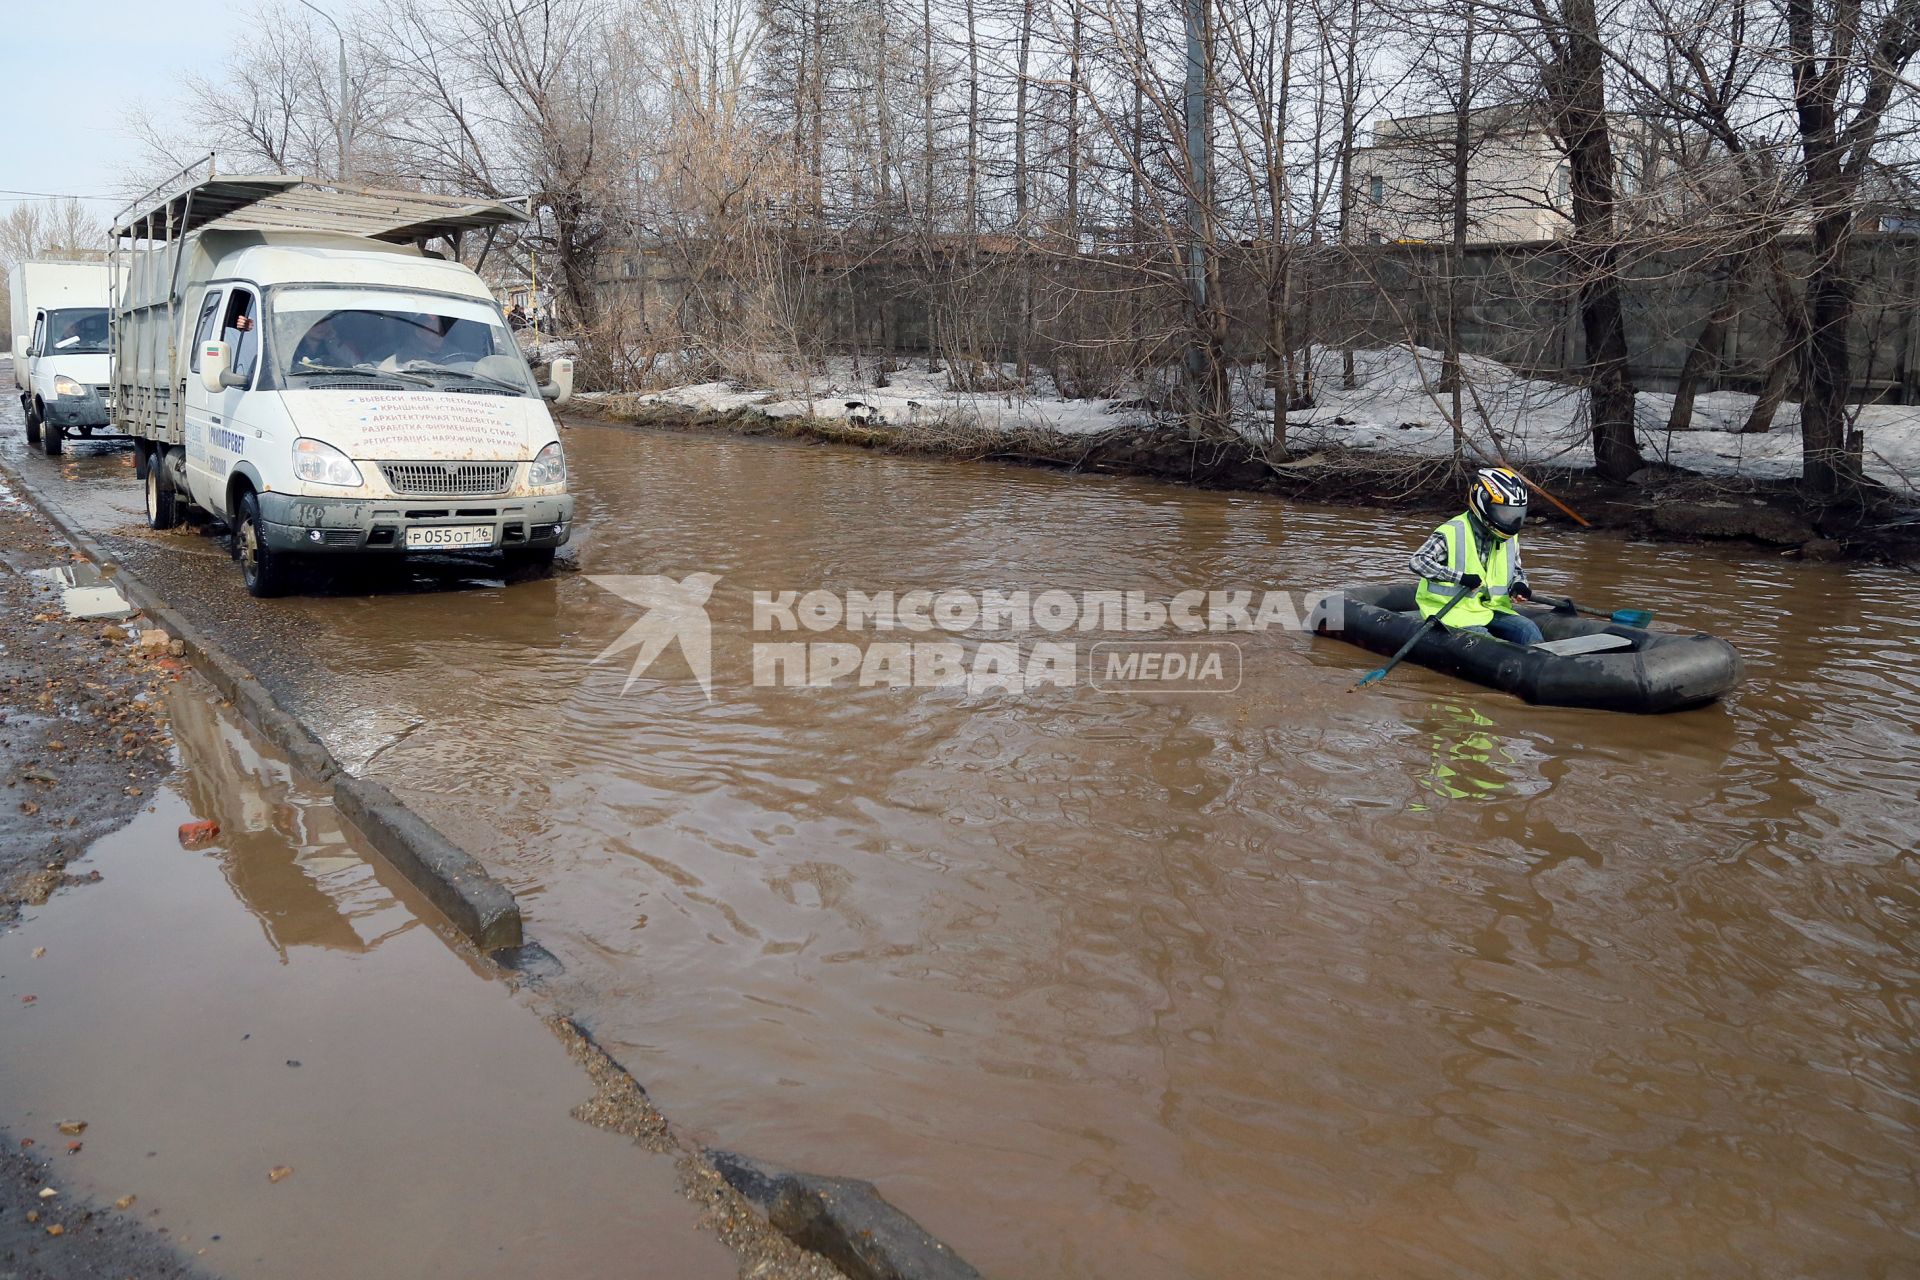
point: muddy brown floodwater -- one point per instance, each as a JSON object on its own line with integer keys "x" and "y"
{"x": 1417, "y": 981}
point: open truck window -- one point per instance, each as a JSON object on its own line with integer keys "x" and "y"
{"x": 241, "y": 332}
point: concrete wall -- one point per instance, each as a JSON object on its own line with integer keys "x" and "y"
{"x": 1090, "y": 316}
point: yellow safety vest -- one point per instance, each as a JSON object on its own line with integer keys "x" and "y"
{"x": 1463, "y": 556}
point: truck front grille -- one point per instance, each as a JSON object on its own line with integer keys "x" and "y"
{"x": 448, "y": 479}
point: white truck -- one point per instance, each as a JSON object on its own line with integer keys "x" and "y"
{"x": 291, "y": 359}
{"x": 60, "y": 348}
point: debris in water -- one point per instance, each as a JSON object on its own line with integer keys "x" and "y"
{"x": 29, "y": 999}
{"x": 125, "y": 1202}
{"x": 48, "y": 1193}
{"x": 73, "y": 1148}
{"x": 279, "y": 1173}
{"x": 195, "y": 834}
{"x": 56, "y": 1230}
{"x": 73, "y": 1128}
{"x": 29, "y": 808}
{"x": 38, "y": 952}
{"x": 33, "y": 1215}
{"x": 155, "y": 639}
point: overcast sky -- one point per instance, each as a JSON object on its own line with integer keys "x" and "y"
{"x": 74, "y": 70}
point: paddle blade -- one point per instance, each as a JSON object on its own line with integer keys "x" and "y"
{"x": 1372, "y": 677}
{"x": 1632, "y": 617}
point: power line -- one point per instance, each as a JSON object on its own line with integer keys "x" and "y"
{"x": 49, "y": 195}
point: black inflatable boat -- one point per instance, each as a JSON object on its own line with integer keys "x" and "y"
{"x": 1585, "y": 662}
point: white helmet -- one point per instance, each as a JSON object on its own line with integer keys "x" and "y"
{"x": 1499, "y": 498}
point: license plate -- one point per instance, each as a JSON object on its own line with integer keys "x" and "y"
{"x": 450, "y": 535}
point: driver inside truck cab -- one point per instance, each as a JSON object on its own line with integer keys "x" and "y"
{"x": 328, "y": 344}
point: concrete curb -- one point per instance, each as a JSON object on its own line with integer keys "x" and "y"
{"x": 448, "y": 875}
{"x": 845, "y": 1220}
{"x": 479, "y": 906}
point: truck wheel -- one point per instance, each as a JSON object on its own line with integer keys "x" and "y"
{"x": 534, "y": 563}
{"x": 50, "y": 437}
{"x": 163, "y": 508}
{"x": 33, "y": 420}
{"x": 264, "y": 570}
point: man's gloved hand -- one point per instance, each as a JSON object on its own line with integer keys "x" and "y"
{"x": 1471, "y": 581}
{"x": 1521, "y": 591}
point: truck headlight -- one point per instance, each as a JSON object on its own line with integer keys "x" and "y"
{"x": 319, "y": 463}
{"x": 65, "y": 386}
{"x": 549, "y": 467}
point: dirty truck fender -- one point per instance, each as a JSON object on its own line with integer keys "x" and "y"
{"x": 246, "y": 473}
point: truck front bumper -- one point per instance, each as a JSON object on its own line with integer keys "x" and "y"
{"x": 70, "y": 413}
{"x": 355, "y": 525}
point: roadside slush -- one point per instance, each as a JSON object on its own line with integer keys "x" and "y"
{"x": 82, "y": 737}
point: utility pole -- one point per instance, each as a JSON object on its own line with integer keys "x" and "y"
{"x": 341, "y": 125}
{"x": 1199, "y": 185}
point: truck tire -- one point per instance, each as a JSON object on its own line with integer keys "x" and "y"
{"x": 33, "y": 419}
{"x": 265, "y": 571}
{"x": 163, "y": 505}
{"x": 50, "y": 437}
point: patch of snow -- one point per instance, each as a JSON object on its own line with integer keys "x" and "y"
{"x": 1396, "y": 406}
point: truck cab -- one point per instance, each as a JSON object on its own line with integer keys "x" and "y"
{"x": 60, "y": 349}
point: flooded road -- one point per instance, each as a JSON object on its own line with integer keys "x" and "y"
{"x": 1292, "y": 980}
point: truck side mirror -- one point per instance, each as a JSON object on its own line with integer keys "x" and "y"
{"x": 559, "y": 384}
{"x": 214, "y": 355}
{"x": 20, "y": 350}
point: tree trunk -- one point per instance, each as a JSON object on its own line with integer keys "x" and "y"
{"x": 973, "y": 125}
{"x": 1073, "y": 130}
{"x": 1703, "y": 355}
{"x": 1349, "y": 109}
{"x": 1831, "y": 464}
{"x": 1576, "y": 95}
{"x": 1450, "y": 376}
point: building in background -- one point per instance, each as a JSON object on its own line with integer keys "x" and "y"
{"x": 1517, "y": 186}
{"x": 1516, "y": 179}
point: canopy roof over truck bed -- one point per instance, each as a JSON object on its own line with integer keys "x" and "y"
{"x": 290, "y": 202}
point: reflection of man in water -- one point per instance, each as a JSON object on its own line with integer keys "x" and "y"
{"x": 327, "y": 343}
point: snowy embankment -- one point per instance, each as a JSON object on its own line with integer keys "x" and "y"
{"x": 1395, "y": 407}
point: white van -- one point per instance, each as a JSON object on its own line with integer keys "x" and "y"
{"x": 60, "y": 348}
{"x": 292, "y": 360}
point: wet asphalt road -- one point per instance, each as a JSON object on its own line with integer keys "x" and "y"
{"x": 193, "y": 569}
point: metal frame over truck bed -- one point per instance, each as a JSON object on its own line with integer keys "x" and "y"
{"x": 150, "y": 238}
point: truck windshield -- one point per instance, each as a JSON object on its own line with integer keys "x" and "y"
{"x": 334, "y": 338}
{"x": 77, "y": 331}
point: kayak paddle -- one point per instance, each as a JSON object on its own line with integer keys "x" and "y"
{"x": 1380, "y": 673}
{"x": 1624, "y": 617}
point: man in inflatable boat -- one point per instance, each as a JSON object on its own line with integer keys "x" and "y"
{"x": 1480, "y": 549}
